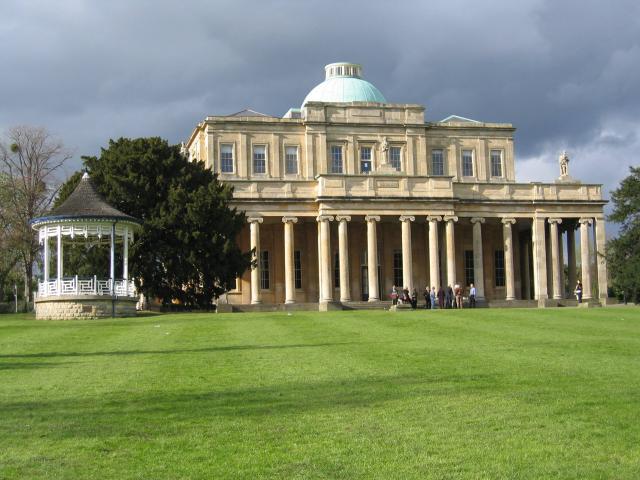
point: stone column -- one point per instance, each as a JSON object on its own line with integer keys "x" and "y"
{"x": 326, "y": 291}
{"x": 585, "y": 260}
{"x": 343, "y": 254}
{"x": 526, "y": 272}
{"x": 561, "y": 257}
{"x": 289, "y": 263}
{"x": 434, "y": 262}
{"x": 47, "y": 256}
{"x": 478, "y": 259}
{"x": 555, "y": 257}
{"x": 508, "y": 257}
{"x": 571, "y": 257}
{"x": 254, "y": 225}
{"x": 451, "y": 249}
{"x": 601, "y": 260}
{"x": 539, "y": 260}
{"x": 372, "y": 257}
{"x": 407, "y": 254}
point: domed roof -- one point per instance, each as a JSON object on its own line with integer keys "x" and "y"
{"x": 343, "y": 84}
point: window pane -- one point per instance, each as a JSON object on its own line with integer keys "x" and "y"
{"x": 468, "y": 267}
{"x": 395, "y": 158}
{"x": 499, "y": 266}
{"x": 397, "y": 268}
{"x": 291, "y": 160}
{"x": 336, "y": 159}
{"x": 437, "y": 162}
{"x": 264, "y": 270}
{"x": 297, "y": 269}
{"x": 259, "y": 159}
{"x": 496, "y": 163}
{"x": 467, "y": 163}
{"x": 365, "y": 159}
{"x": 226, "y": 158}
{"x": 336, "y": 270}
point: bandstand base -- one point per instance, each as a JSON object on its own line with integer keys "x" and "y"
{"x": 84, "y": 307}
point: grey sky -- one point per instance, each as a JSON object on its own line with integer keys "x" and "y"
{"x": 565, "y": 73}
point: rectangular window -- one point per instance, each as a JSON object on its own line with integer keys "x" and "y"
{"x": 264, "y": 270}
{"x": 467, "y": 163}
{"x": 336, "y": 270}
{"x": 499, "y": 266}
{"x": 397, "y": 268}
{"x": 395, "y": 158}
{"x": 468, "y": 267}
{"x": 365, "y": 159}
{"x": 496, "y": 163}
{"x": 437, "y": 162}
{"x": 233, "y": 284}
{"x": 259, "y": 159}
{"x": 226, "y": 158}
{"x": 336, "y": 159}
{"x": 297, "y": 269}
{"x": 291, "y": 160}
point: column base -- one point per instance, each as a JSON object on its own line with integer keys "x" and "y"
{"x": 330, "y": 305}
{"x": 373, "y": 299}
{"x": 289, "y": 302}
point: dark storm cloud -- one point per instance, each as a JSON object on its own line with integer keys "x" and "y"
{"x": 567, "y": 74}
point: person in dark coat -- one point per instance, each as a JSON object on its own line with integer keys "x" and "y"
{"x": 427, "y": 298}
{"x": 448, "y": 297}
{"x": 414, "y": 299}
{"x": 440, "y": 297}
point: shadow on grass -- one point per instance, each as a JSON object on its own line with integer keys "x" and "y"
{"x": 128, "y": 413}
{"x": 229, "y": 348}
{"x": 30, "y": 365}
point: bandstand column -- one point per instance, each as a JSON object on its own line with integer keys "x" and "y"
{"x": 555, "y": 257}
{"x": 326, "y": 293}
{"x": 407, "y": 257}
{"x": 112, "y": 260}
{"x": 125, "y": 257}
{"x": 508, "y": 257}
{"x": 451, "y": 249}
{"x": 59, "y": 257}
{"x": 343, "y": 254}
{"x": 478, "y": 263}
{"x": 289, "y": 274}
{"x": 372, "y": 257}
{"x": 571, "y": 257}
{"x": 434, "y": 263}
{"x": 47, "y": 256}
{"x": 584, "y": 255}
{"x": 601, "y": 260}
{"x": 254, "y": 225}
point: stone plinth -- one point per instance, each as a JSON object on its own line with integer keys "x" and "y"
{"x": 84, "y": 307}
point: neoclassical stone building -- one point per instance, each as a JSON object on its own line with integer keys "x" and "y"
{"x": 350, "y": 194}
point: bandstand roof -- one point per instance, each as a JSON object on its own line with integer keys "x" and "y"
{"x": 85, "y": 203}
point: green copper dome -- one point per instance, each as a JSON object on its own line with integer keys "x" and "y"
{"x": 343, "y": 84}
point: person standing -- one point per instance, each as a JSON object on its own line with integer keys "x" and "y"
{"x": 394, "y": 296}
{"x": 441, "y": 297}
{"x": 414, "y": 299}
{"x": 578, "y": 291}
{"x": 432, "y": 297}
{"x": 458, "y": 295}
{"x": 472, "y": 296}
{"x": 448, "y": 299}
{"x": 427, "y": 297}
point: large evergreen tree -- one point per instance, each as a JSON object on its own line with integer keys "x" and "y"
{"x": 623, "y": 252}
{"x": 187, "y": 249}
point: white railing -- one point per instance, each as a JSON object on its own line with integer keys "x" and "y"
{"x": 86, "y": 286}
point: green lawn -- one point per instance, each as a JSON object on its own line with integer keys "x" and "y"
{"x": 448, "y": 394}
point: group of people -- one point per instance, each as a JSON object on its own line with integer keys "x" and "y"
{"x": 450, "y": 297}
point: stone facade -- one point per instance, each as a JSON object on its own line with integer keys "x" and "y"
{"x": 83, "y": 307}
{"x": 338, "y": 183}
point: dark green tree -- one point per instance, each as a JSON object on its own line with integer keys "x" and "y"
{"x": 187, "y": 248}
{"x": 623, "y": 252}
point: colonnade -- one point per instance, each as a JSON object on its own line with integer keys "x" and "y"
{"x": 535, "y": 253}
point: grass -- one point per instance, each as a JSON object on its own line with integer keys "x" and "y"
{"x": 448, "y": 394}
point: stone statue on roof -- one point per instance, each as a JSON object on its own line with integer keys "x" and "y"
{"x": 564, "y": 164}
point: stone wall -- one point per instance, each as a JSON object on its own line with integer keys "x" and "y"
{"x": 84, "y": 307}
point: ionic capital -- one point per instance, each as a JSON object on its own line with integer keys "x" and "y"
{"x": 554, "y": 220}
{"x": 407, "y": 218}
{"x": 324, "y": 218}
{"x": 450, "y": 218}
{"x": 343, "y": 218}
{"x": 255, "y": 219}
{"x": 477, "y": 220}
{"x": 585, "y": 221}
{"x": 434, "y": 218}
{"x": 372, "y": 218}
{"x": 508, "y": 221}
{"x": 289, "y": 219}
